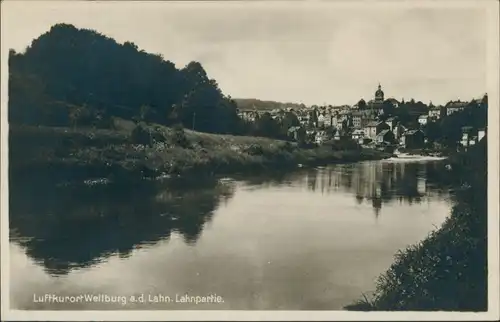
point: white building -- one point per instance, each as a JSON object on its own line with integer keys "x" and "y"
{"x": 480, "y": 134}
{"x": 422, "y": 119}
{"x": 435, "y": 113}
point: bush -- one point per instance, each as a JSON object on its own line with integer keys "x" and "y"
{"x": 288, "y": 147}
{"x": 179, "y": 136}
{"x": 342, "y": 145}
{"x": 255, "y": 149}
{"x": 141, "y": 135}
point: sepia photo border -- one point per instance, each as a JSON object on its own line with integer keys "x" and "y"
{"x": 492, "y": 11}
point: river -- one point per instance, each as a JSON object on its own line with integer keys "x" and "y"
{"x": 312, "y": 239}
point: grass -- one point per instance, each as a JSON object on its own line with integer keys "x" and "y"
{"x": 447, "y": 270}
{"x": 129, "y": 150}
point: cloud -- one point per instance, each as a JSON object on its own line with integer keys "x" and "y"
{"x": 333, "y": 54}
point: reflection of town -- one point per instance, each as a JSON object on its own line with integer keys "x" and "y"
{"x": 378, "y": 183}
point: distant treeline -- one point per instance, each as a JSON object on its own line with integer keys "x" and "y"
{"x": 246, "y": 104}
{"x": 79, "y": 77}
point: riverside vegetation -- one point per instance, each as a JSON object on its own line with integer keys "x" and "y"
{"x": 447, "y": 270}
{"x": 132, "y": 152}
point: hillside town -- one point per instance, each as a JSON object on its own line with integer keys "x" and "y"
{"x": 379, "y": 123}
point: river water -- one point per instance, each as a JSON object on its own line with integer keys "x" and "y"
{"x": 312, "y": 239}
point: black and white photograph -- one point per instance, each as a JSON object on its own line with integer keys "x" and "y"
{"x": 250, "y": 160}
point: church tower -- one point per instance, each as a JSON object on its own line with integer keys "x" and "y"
{"x": 379, "y": 94}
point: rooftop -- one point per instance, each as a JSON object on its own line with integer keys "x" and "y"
{"x": 382, "y": 133}
{"x": 456, "y": 104}
{"x": 372, "y": 124}
{"x": 411, "y": 132}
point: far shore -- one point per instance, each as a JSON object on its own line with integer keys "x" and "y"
{"x": 120, "y": 155}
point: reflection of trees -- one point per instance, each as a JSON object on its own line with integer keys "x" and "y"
{"x": 381, "y": 182}
{"x": 65, "y": 227}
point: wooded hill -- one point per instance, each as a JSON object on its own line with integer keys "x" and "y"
{"x": 70, "y": 76}
{"x": 250, "y": 104}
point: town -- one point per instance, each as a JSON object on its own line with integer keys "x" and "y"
{"x": 385, "y": 124}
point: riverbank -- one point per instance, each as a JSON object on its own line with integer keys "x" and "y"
{"x": 150, "y": 150}
{"x": 447, "y": 270}
{"x": 443, "y": 152}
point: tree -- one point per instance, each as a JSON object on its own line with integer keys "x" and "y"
{"x": 266, "y": 126}
{"x": 432, "y": 131}
{"x": 73, "y": 67}
{"x": 362, "y": 104}
{"x": 289, "y": 120}
{"x": 388, "y": 108}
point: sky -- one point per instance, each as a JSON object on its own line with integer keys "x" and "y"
{"x": 303, "y": 52}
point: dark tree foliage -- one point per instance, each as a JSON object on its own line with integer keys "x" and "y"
{"x": 408, "y": 112}
{"x": 388, "y": 108}
{"x": 267, "y": 126}
{"x": 362, "y": 104}
{"x": 68, "y": 72}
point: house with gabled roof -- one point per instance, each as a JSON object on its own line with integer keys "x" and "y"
{"x": 385, "y": 136}
{"x": 422, "y": 119}
{"x": 413, "y": 139}
{"x": 455, "y": 106}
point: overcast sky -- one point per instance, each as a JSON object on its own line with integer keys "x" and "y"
{"x": 306, "y": 53}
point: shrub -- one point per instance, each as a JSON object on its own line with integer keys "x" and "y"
{"x": 255, "y": 149}
{"x": 179, "y": 136}
{"x": 140, "y": 135}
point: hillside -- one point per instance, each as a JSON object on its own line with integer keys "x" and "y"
{"x": 70, "y": 76}
{"x": 247, "y": 104}
{"x": 131, "y": 152}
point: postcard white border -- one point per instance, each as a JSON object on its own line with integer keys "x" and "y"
{"x": 493, "y": 85}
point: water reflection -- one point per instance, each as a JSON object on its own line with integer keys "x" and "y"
{"x": 64, "y": 228}
{"x": 375, "y": 183}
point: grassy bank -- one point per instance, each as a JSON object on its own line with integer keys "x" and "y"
{"x": 447, "y": 270}
{"x": 151, "y": 150}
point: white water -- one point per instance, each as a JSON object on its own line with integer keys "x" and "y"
{"x": 405, "y": 157}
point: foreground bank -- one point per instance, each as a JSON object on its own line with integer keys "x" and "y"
{"x": 135, "y": 151}
{"x": 447, "y": 270}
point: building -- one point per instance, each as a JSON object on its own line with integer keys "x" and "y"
{"x": 370, "y": 129}
{"x": 467, "y": 134}
{"x": 373, "y": 128}
{"x": 321, "y": 137}
{"x": 422, "y": 119}
{"x": 321, "y": 119}
{"x": 361, "y": 118}
{"x": 391, "y": 121}
{"x": 436, "y": 112}
{"x": 303, "y": 119}
{"x": 249, "y": 116}
{"x": 480, "y": 134}
{"x": 376, "y": 104}
{"x": 298, "y": 133}
{"x": 413, "y": 139}
{"x": 385, "y": 136}
{"x": 328, "y": 119}
{"x": 358, "y": 134}
{"x": 455, "y": 106}
{"x": 398, "y": 131}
